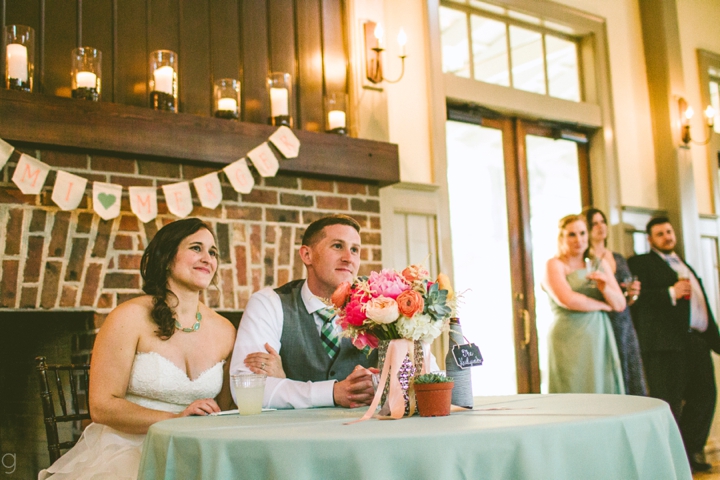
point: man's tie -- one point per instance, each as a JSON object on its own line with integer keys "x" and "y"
{"x": 328, "y": 336}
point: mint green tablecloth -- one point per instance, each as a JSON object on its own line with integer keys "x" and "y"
{"x": 514, "y": 437}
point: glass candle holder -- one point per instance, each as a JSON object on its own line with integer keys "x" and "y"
{"x": 19, "y": 49}
{"x": 336, "y": 113}
{"x": 163, "y": 80}
{"x": 280, "y": 91}
{"x": 86, "y": 73}
{"x": 226, "y": 100}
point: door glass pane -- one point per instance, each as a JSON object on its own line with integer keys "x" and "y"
{"x": 528, "y": 71}
{"x": 490, "y": 56}
{"x": 554, "y": 184}
{"x": 715, "y": 102}
{"x": 454, "y": 40}
{"x": 562, "y": 68}
{"x": 478, "y": 222}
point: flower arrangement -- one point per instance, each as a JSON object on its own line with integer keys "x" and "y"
{"x": 390, "y": 305}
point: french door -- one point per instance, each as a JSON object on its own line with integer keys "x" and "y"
{"x": 510, "y": 181}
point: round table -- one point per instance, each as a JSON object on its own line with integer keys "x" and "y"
{"x": 522, "y": 436}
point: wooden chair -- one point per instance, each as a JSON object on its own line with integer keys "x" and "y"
{"x": 78, "y": 378}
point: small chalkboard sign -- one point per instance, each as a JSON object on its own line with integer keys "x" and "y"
{"x": 467, "y": 355}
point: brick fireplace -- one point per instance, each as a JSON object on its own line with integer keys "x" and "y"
{"x": 76, "y": 267}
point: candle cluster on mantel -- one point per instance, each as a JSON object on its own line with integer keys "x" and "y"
{"x": 69, "y": 189}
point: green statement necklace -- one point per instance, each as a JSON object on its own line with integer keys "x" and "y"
{"x": 195, "y": 327}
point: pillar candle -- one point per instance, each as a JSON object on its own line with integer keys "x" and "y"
{"x": 17, "y": 62}
{"x": 227, "y": 104}
{"x": 164, "y": 79}
{"x": 86, "y": 80}
{"x": 336, "y": 119}
{"x": 278, "y": 102}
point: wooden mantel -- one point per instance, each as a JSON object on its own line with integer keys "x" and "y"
{"x": 125, "y": 129}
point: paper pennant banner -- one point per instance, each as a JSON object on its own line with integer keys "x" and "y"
{"x": 68, "y": 190}
{"x": 286, "y": 141}
{"x": 5, "y": 151}
{"x": 264, "y": 160}
{"x": 30, "y": 175}
{"x": 143, "y": 202}
{"x": 240, "y": 177}
{"x": 209, "y": 190}
{"x": 178, "y": 198}
{"x": 106, "y": 199}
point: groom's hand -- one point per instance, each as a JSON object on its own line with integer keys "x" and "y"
{"x": 356, "y": 390}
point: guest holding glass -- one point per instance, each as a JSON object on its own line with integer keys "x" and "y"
{"x": 583, "y": 356}
{"x": 158, "y": 356}
{"x": 623, "y": 328}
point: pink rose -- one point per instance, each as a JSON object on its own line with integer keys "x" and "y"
{"x": 416, "y": 272}
{"x": 382, "y": 310}
{"x": 410, "y": 302}
{"x": 387, "y": 283}
{"x": 365, "y": 339}
{"x": 354, "y": 314}
{"x": 341, "y": 294}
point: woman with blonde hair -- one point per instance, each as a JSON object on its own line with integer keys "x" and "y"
{"x": 583, "y": 356}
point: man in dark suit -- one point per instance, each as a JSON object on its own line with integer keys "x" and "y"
{"x": 676, "y": 330}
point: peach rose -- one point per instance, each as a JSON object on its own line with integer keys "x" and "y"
{"x": 341, "y": 294}
{"x": 444, "y": 284}
{"x": 410, "y": 302}
{"x": 382, "y": 310}
{"x": 415, "y": 272}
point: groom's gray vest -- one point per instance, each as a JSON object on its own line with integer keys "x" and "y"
{"x": 302, "y": 352}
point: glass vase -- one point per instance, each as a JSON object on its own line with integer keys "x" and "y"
{"x": 411, "y": 366}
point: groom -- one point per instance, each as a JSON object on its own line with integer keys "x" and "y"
{"x": 322, "y": 368}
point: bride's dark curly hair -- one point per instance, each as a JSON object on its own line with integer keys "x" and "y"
{"x": 155, "y": 269}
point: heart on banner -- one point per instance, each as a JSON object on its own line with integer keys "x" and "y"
{"x": 106, "y": 199}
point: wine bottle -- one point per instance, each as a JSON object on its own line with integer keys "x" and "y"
{"x": 462, "y": 395}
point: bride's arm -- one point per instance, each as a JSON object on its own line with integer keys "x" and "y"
{"x": 557, "y": 286}
{"x": 111, "y": 364}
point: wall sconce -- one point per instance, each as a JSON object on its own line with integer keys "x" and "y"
{"x": 19, "y": 44}
{"x": 227, "y": 98}
{"x": 686, "y": 114}
{"x": 373, "y": 53}
{"x": 85, "y": 72}
{"x": 280, "y": 90}
{"x": 163, "y": 80}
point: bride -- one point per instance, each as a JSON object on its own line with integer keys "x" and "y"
{"x": 159, "y": 356}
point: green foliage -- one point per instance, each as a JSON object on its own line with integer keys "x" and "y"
{"x": 436, "y": 304}
{"x": 432, "y": 378}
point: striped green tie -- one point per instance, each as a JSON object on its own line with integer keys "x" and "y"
{"x": 328, "y": 336}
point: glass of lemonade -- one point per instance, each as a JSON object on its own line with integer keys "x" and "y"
{"x": 249, "y": 391}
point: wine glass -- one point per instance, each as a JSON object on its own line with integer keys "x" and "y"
{"x": 592, "y": 265}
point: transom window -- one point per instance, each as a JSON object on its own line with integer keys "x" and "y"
{"x": 495, "y": 45}
{"x": 714, "y": 76}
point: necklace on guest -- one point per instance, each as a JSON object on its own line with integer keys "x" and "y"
{"x": 196, "y": 325}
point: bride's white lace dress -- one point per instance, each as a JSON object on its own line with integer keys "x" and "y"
{"x": 155, "y": 382}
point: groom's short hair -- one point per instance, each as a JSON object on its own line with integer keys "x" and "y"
{"x": 314, "y": 232}
{"x": 655, "y": 221}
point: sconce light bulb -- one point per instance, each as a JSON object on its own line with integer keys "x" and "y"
{"x": 402, "y": 38}
{"x": 379, "y": 32}
{"x": 689, "y": 112}
{"x": 710, "y": 112}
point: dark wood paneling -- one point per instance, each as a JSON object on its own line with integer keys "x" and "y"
{"x": 131, "y": 54}
{"x": 310, "y": 70}
{"x": 97, "y": 32}
{"x": 61, "y": 29}
{"x": 254, "y": 51}
{"x": 334, "y": 47}
{"x": 111, "y": 127}
{"x": 282, "y": 39}
{"x": 224, "y": 39}
{"x": 194, "y": 55}
{"x": 163, "y": 25}
{"x": 28, "y": 12}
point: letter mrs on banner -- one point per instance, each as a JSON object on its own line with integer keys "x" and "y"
{"x": 178, "y": 198}
{"x": 209, "y": 190}
{"x": 143, "y": 202}
{"x": 68, "y": 190}
{"x": 286, "y": 141}
{"x": 264, "y": 160}
{"x": 30, "y": 175}
{"x": 5, "y": 151}
{"x": 240, "y": 177}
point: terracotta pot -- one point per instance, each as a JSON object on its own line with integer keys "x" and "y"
{"x": 433, "y": 399}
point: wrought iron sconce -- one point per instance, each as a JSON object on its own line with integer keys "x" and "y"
{"x": 686, "y": 114}
{"x": 373, "y": 53}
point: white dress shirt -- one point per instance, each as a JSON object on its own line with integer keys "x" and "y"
{"x": 262, "y": 322}
{"x": 698, "y": 308}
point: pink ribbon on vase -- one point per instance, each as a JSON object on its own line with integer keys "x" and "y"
{"x": 394, "y": 357}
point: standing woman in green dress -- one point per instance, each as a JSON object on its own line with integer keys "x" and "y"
{"x": 583, "y": 355}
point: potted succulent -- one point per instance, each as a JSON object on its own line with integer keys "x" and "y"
{"x": 434, "y": 394}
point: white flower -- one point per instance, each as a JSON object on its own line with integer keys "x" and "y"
{"x": 419, "y": 327}
{"x": 382, "y": 310}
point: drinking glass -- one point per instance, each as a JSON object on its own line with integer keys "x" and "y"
{"x": 592, "y": 265}
{"x": 249, "y": 392}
